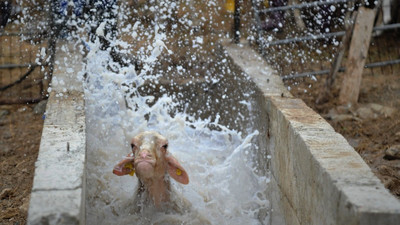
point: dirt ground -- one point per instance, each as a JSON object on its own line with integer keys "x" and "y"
{"x": 20, "y": 132}
{"x": 371, "y": 134}
{"x": 372, "y": 126}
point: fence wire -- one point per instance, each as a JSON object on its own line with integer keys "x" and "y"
{"x": 308, "y": 48}
{"x": 25, "y": 57}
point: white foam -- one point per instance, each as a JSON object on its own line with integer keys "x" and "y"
{"x": 224, "y": 187}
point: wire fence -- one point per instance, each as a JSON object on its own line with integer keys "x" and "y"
{"x": 25, "y": 57}
{"x": 302, "y": 38}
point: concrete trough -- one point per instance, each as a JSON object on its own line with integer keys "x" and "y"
{"x": 58, "y": 192}
{"x": 316, "y": 176}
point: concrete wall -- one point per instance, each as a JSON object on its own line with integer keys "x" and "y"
{"x": 58, "y": 186}
{"x": 317, "y": 177}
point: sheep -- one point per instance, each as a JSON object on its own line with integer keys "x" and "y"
{"x": 153, "y": 165}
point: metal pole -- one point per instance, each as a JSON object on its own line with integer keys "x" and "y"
{"x": 342, "y": 69}
{"x": 327, "y": 35}
{"x": 17, "y": 34}
{"x": 236, "y": 22}
{"x": 306, "y": 38}
{"x": 304, "y": 5}
{"x": 14, "y": 66}
{"x": 387, "y": 27}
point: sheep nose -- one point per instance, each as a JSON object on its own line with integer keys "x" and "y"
{"x": 144, "y": 154}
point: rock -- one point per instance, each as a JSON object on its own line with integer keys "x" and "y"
{"x": 382, "y": 110}
{"x": 332, "y": 113}
{"x": 393, "y": 152}
{"x": 342, "y": 117}
{"x": 338, "y": 117}
{"x": 22, "y": 109}
{"x": 25, "y": 206}
{"x": 4, "y": 112}
{"x": 375, "y": 107}
{"x": 343, "y": 109}
{"x": 4, "y": 149}
{"x": 5, "y": 193}
{"x": 373, "y": 110}
{"x": 365, "y": 112}
{"x": 353, "y": 142}
{"x": 7, "y": 135}
{"x": 40, "y": 108}
{"x": 388, "y": 111}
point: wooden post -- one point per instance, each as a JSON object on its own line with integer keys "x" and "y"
{"x": 325, "y": 95}
{"x": 297, "y": 15}
{"x": 359, "y": 45}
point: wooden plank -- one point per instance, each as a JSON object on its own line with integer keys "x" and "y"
{"x": 344, "y": 44}
{"x": 297, "y": 15}
{"x": 359, "y": 45}
{"x": 334, "y": 70}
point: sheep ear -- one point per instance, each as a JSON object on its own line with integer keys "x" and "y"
{"x": 125, "y": 166}
{"x": 176, "y": 171}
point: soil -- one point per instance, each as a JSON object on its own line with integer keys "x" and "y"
{"x": 372, "y": 126}
{"x": 370, "y": 134}
{"x": 20, "y": 132}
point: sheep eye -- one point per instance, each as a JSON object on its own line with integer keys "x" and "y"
{"x": 132, "y": 146}
{"x": 165, "y": 146}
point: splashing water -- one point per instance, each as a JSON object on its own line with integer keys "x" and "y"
{"x": 190, "y": 92}
{"x": 223, "y": 189}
